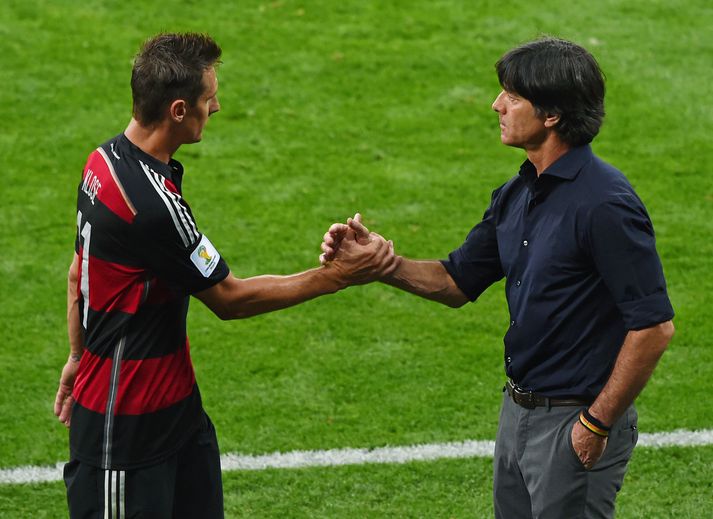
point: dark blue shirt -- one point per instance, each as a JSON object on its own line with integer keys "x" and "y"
{"x": 577, "y": 249}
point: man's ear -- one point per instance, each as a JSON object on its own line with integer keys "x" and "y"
{"x": 551, "y": 120}
{"x": 177, "y": 110}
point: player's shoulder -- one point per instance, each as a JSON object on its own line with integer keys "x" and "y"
{"x": 121, "y": 154}
{"x": 160, "y": 203}
{"x": 101, "y": 182}
{"x": 114, "y": 159}
{"x": 146, "y": 179}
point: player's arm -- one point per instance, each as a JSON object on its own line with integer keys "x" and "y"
{"x": 63, "y": 401}
{"x": 235, "y": 298}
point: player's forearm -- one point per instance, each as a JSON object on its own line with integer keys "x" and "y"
{"x": 240, "y": 298}
{"x": 428, "y": 279}
{"x": 74, "y": 327}
{"x": 637, "y": 359}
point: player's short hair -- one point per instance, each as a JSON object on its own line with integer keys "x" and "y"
{"x": 559, "y": 78}
{"x": 170, "y": 67}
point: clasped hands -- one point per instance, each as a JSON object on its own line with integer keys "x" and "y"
{"x": 357, "y": 255}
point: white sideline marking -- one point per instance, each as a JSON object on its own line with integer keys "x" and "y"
{"x": 335, "y": 457}
{"x": 298, "y": 459}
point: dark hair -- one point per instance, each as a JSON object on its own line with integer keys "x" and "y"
{"x": 560, "y": 78}
{"x": 170, "y": 67}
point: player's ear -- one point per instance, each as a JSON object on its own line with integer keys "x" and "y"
{"x": 177, "y": 110}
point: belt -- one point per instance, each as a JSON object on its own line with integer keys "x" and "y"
{"x": 530, "y": 400}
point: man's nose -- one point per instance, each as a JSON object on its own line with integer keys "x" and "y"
{"x": 497, "y": 105}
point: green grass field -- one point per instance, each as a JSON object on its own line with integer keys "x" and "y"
{"x": 330, "y": 108}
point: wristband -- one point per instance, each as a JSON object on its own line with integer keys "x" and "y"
{"x": 592, "y": 424}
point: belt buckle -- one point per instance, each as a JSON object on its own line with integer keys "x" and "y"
{"x": 530, "y": 402}
{"x": 525, "y": 398}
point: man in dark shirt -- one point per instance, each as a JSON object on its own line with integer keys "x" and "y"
{"x": 589, "y": 312}
{"x": 140, "y": 443}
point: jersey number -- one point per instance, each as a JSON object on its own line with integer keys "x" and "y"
{"x": 86, "y": 234}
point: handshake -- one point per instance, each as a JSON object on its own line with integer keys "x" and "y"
{"x": 357, "y": 256}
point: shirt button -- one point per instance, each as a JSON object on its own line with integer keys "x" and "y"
{"x": 524, "y": 243}
{"x": 512, "y": 323}
{"x": 518, "y": 283}
{"x": 508, "y": 359}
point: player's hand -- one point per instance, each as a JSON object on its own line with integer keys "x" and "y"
{"x": 588, "y": 446}
{"x": 355, "y": 263}
{"x": 331, "y": 240}
{"x": 63, "y": 401}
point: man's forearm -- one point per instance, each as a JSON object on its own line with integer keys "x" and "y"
{"x": 236, "y": 298}
{"x": 637, "y": 359}
{"x": 428, "y": 279}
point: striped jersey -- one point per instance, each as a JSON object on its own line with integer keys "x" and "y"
{"x": 141, "y": 255}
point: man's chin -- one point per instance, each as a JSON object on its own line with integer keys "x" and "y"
{"x": 510, "y": 142}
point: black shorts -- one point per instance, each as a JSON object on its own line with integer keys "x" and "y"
{"x": 186, "y": 485}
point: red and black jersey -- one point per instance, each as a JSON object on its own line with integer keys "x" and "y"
{"x": 141, "y": 256}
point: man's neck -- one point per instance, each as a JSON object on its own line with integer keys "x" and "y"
{"x": 153, "y": 140}
{"x": 547, "y": 153}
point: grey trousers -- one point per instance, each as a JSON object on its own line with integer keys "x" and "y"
{"x": 538, "y": 475}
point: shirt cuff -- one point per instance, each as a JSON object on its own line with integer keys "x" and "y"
{"x": 647, "y": 311}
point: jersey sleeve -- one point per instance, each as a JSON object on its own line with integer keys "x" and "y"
{"x": 622, "y": 246}
{"x": 171, "y": 245}
{"x": 475, "y": 265}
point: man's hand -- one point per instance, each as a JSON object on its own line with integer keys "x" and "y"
{"x": 357, "y": 255}
{"x": 588, "y": 445}
{"x": 64, "y": 400}
{"x": 352, "y": 230}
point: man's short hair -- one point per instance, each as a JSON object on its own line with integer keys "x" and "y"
{"x": 170, "y": 67}
{"x": 559, "y": 78}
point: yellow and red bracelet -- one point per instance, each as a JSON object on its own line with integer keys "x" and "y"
{"x": 594, "y": 425}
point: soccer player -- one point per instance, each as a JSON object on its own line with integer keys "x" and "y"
{"x": 589, "y": 312}
{"x": 140, "y": 441}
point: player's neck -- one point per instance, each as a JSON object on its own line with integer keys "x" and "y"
{"x": 154, "y": 140}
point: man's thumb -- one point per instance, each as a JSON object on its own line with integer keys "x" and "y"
{"x": 362, "y": 233}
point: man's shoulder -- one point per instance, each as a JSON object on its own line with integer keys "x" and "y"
{"x": 120, "y": 153}
{"x": 606, "y": 192}
{"x": 117, "y": 158}
{"x": 603, "y": 181}
{"x": 141, "y": 177}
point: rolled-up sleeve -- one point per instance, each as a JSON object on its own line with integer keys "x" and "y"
{"x": 475, "y": 265}
{"x": 623, "y": 248}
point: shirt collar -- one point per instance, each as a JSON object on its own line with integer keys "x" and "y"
{"x": 566, "y": 167}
